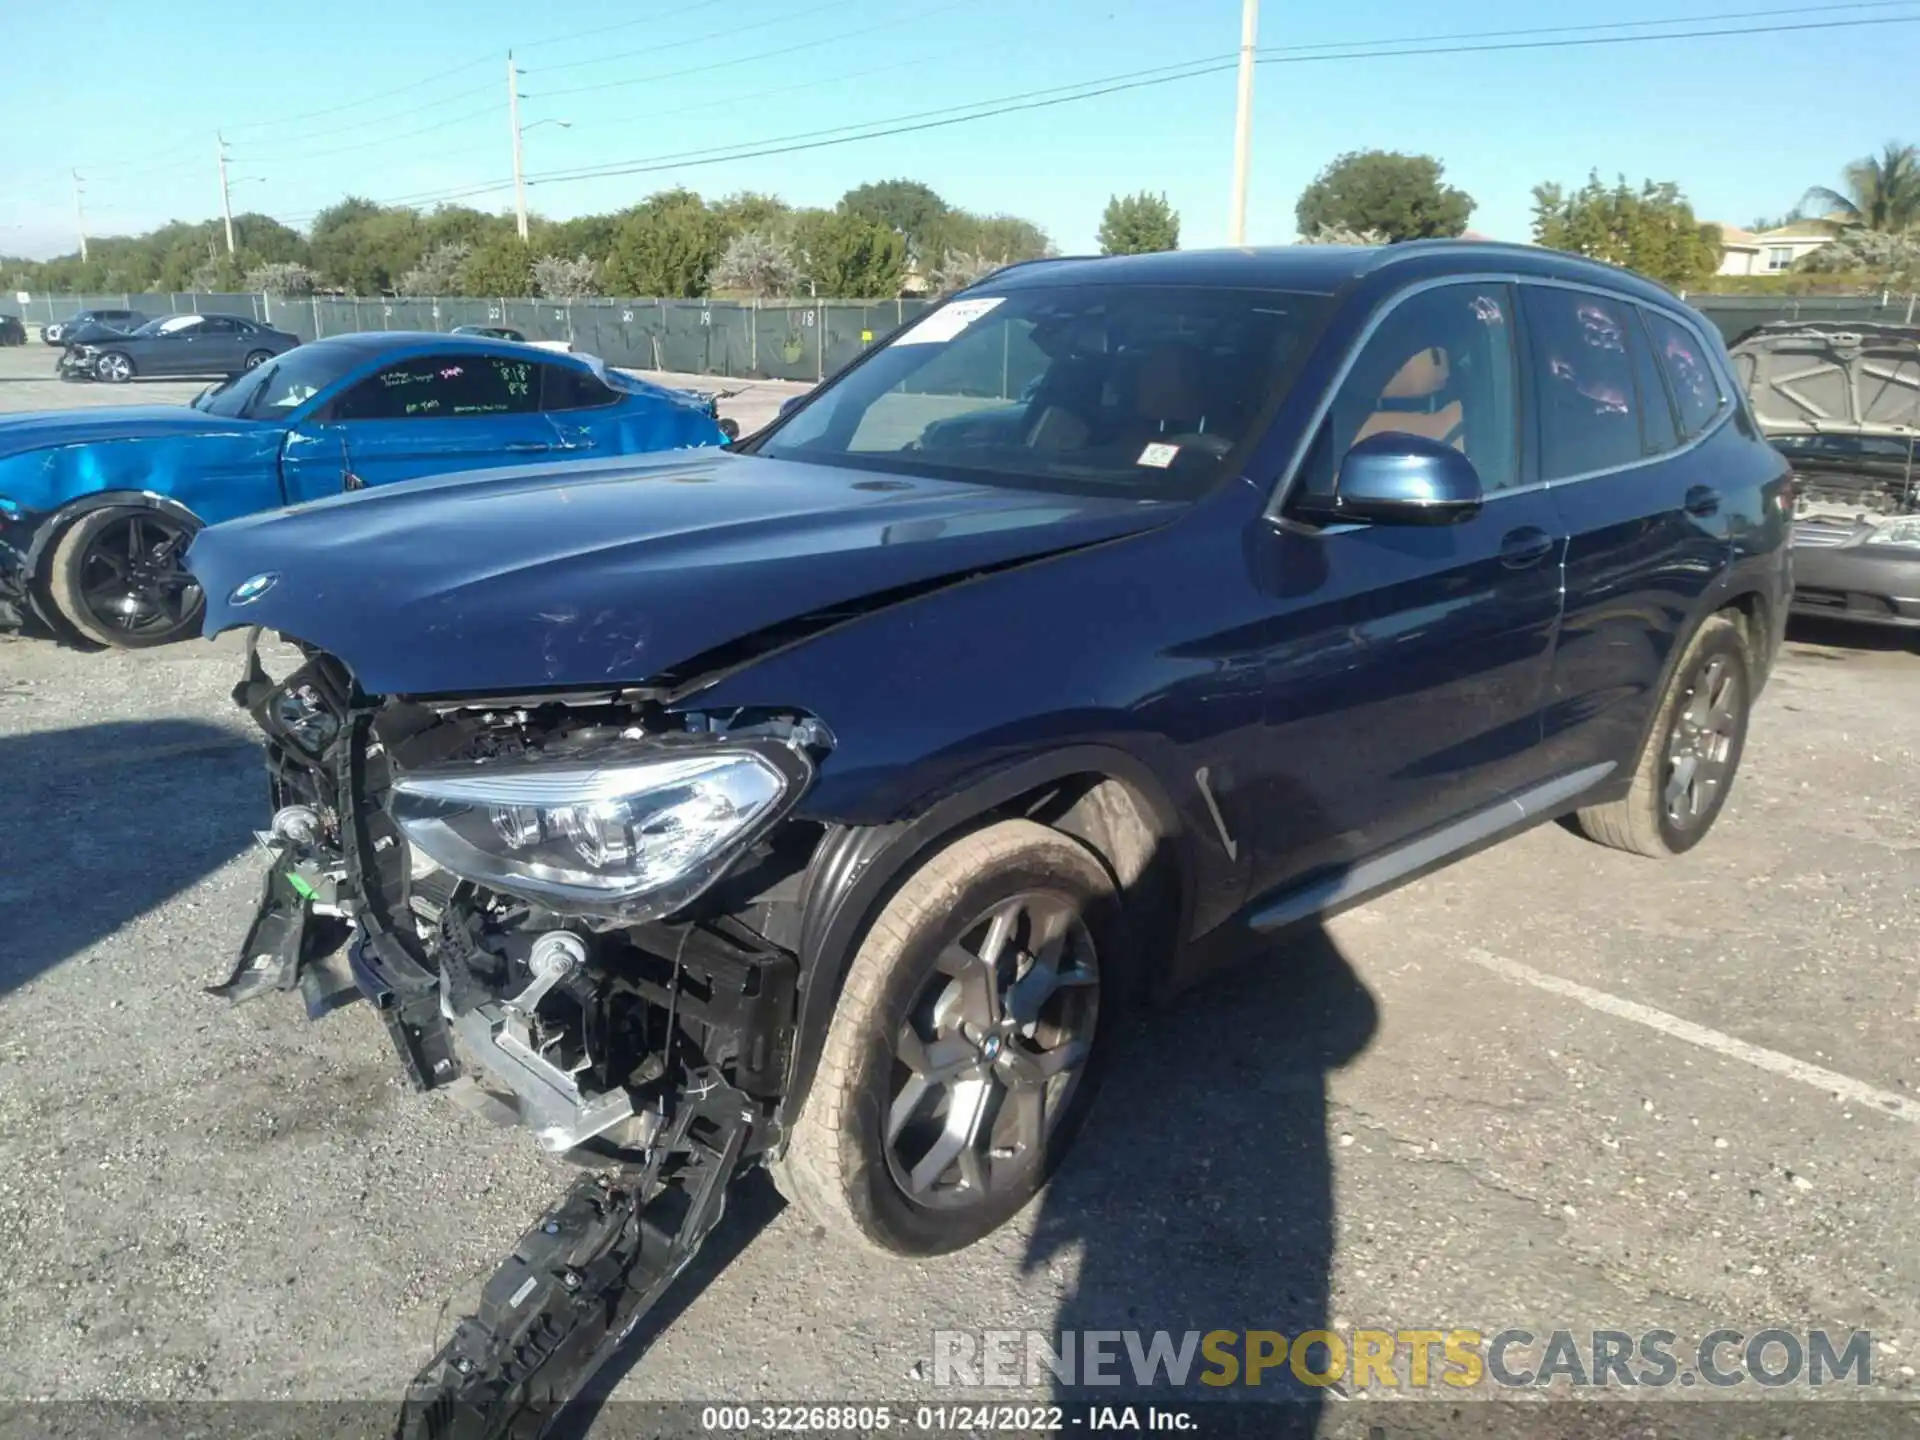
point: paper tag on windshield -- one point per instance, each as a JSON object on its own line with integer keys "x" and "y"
{"x": 944, "y": 324}
{"x": 1158, "y": 455}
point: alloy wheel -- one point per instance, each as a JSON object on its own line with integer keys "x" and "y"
{"x": 115, "y": 369}
{"x": 990, "y": 1052}
{"x": 1700, "y": 745}
{"x": 132, "y": 577}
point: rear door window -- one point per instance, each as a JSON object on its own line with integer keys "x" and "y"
{"x": 444, "y": 387}
{"x": 1696, "y": 383}
{"x": 1583, "y": 383}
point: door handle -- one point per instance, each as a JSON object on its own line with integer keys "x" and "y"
{"x": 527, "y": 447}
{"x": 1703, "y": 500}
{"x": 1525, "y": 547}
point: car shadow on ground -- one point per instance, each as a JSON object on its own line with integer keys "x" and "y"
{"x": 1200, "y": 1196}
{"x": 1838, "y": 634}
{"x": 108, "y": 821}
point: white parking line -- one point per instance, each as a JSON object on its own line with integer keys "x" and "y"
{"x": 1844, "y": 1087}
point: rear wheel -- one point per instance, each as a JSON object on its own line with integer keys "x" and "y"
{"x": 118, "y": 578}
{"x": 114, "y": 368}
{"x": 258, "y": 358}
{"x": 1691, "y": 755}
{"x": 966, "y": 1047}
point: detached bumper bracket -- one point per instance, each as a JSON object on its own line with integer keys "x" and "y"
{"x": 577, "y": 1284}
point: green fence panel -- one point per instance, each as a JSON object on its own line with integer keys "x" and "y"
{"x": 799, "y": 339}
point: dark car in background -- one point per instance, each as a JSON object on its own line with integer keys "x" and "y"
{"x": 825, "y": 802}
{"x": 120, "y": 321}
{"x": 179, "y": 345}
{"x": 1841, "y": 400}
{"x": 491, "y": 332}
{"x": 12, "y": 332}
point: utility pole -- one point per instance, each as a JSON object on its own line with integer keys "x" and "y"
{"x": 79, "y": 217}
{"x": 1243, "y": 122}
{"x": 226, "y": 192}
{"x": 513, "y": 119}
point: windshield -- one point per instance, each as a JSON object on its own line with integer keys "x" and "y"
{"x": 276, "y": 389}
{"x": 1102, "y": 389}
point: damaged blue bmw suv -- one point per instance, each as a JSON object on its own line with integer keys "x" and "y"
{"x": 821, "y": 803}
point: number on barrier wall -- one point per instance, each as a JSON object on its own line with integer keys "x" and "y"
{"x": 626, "y": 317}
{"x": 493, "y": 312}
{"x": 706, "y": 317}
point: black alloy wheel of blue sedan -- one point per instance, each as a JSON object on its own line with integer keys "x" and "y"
{"x": 117, "y": 579}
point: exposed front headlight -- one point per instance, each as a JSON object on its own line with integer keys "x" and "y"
{"x": 1904, "y": 532}
{"x": 624, "y": 831}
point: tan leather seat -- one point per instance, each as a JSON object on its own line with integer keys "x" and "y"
{"x": 1424, "y": 377}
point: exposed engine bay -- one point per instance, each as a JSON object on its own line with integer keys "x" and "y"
{"x": 1841, "y": 400}
{"x": 551, "y": 993}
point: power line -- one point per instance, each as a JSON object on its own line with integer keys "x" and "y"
{"x": 1185, "y": 69}
{"x": 673, "y": 111}
{"x": 773, "y": 54}
{"x": 617, "y": 25}
{"x": 1114, "y": 84}
{"x": 1093, "y": 89}
{"x": 381, "y": 140}
{"x": 274, "y": 121}
{"x": 724, "y": 34}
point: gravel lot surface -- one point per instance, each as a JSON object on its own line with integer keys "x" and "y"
{"x": 1437, "y": 1114}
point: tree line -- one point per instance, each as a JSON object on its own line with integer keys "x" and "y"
{"x": 899, "y": 236}
{"x": 878, "y": 240}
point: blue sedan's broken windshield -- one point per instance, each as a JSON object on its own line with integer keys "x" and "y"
{"x": 277, "y": 388}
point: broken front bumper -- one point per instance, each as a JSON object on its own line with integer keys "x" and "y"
{"x": 16, "y": 539}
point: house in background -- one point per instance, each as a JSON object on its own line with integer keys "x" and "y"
{"x": 1771, "y": 252}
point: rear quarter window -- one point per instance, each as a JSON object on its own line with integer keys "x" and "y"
{"x": 564, "y": 388}
{"x": 1698, "y": 392}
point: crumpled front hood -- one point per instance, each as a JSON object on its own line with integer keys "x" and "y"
{"x": 595, "y": 573}
{"x": 39, "y": 430}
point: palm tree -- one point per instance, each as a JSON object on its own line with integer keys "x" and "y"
{"x": 1882, "y": 192}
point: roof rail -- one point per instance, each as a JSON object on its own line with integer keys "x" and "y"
{"x": 1390, "y": 253}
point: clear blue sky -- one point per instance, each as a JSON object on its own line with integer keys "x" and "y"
{"x": 131, "y": 92}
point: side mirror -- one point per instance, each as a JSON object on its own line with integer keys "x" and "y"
{"x": 1394, "y": 478}
{"x": 790, "y": 404}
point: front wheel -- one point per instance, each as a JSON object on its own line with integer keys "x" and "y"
{"x": 114, "y": 368}
{"x": 966, "y": 1045}
{"x": 1691, "y": 754}
{"x": 118, "y": 579}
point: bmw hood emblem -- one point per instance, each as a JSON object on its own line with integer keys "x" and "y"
{"x": 252, "y": 588}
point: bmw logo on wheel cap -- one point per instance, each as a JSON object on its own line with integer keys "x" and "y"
{"x": 252, "y": 588}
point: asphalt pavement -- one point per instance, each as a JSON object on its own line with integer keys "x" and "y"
{"x": 1554, "y": 1087}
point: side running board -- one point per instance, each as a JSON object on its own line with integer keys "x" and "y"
{"x": 1371, "y": 876}
{"x": 580, "y": 1281}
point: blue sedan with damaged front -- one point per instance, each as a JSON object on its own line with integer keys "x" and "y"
{"x": 98, "y": 506}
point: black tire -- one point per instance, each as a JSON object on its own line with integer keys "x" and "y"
{"x": 160, "y": 607}
{"x": 258, "y": 358}
{"x": 113, "y": 368}
{"x": 1648, "y": 820}
{"x": 840, "y": 1165}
